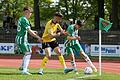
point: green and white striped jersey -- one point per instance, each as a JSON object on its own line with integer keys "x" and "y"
{"x": 72, "y": 32}
{"x": 23, "y": 25}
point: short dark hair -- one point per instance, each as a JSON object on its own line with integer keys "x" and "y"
{"x": 79, "y": 22}
{"x": 28, "y": 8}
{"x": 58, "y": 14}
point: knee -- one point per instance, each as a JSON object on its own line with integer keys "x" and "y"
{"x": 58, "y": 51}
{"x": 72, "y": 57}
{"x": 85, "y": 56}
{"x": 48, "y": 56}
{"x": 28, "y": 53}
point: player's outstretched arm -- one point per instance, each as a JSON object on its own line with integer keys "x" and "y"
{"x": 34, "y": 34}
{"x": 54, "y": 35}
{"x": 63, "y": 32}
{"x": 73, "y": 38}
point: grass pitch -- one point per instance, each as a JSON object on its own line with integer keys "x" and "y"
{"x": 53, "y": 74}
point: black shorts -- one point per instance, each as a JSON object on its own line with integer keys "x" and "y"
{"x": 52, "y": 44}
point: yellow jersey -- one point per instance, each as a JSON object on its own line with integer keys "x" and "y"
{"x": 50, "y": 28}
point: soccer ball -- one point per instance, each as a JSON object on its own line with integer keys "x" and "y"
{"x": 88, "y": 70}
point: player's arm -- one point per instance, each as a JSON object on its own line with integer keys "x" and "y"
{"x": 27, "y": 25}
{"x": 73, "y": 37}
{"x": 53, "y": 35}
{"x": 62, "y": 31}
{"x": 70, "y": 37}
{"x": 34, "y": 34}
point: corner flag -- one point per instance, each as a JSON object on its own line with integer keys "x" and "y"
{"x": 104, "y": 24}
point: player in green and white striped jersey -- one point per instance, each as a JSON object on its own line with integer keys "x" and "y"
{"x": 73, "y": 46}
{"x": 23, "y": 29}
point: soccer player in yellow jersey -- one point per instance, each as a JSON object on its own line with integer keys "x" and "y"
{"x": 49, "y": 41}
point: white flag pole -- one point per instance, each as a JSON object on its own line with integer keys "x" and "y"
{"x": 99, "y": 52}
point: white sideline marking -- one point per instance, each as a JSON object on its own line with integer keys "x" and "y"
{"x": 86, "y": 76}
{"x": 70, "y": 79}
{"x": 82, "y": 77}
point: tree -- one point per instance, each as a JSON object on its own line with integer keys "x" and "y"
{"x": 115, "y": 15}
{"x": 36, "y": 14}
{"x": 112, "y": 7}
{"x": 83, "y": 9}
{"x": 46, "y": 9}
{"x": 101, "y": 8}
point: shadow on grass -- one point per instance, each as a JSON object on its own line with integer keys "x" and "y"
{"x": 83, "y": 79}
{"x": 91, "y": 79}
{"x": 10, "y": 73}
{"x": 33, "y": 73}
{"x": 49, "y": 73}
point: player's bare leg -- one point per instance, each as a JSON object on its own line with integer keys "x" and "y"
{"x": 87, "y": 59}
{"x": 72, "y": 58}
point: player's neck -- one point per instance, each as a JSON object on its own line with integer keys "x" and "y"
{"x": 53, "y": 21}
{"x": 26, "y": 15}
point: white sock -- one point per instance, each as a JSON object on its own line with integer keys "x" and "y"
{"x": 26, "y": 60}
{"x": 73, "y": 64}
{"x": 89, "y": 61}
{"x": 22, "y": 62}
{"x": 41, "y": 69}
